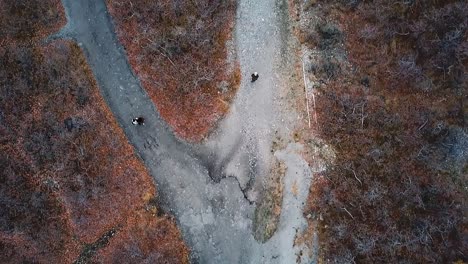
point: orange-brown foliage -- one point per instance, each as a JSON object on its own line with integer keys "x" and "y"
{"x": 67, "y": 172}
{"x": 29, "y": 20}
{"x": 178, "y": 49}
{"x": 146, "y": 238}
{"x": 397, "y": 119}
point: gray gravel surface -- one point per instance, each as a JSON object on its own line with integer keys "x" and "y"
{"x": 214, "y": 216}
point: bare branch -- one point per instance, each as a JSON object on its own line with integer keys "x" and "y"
{"x": 355, "y": 176}
{"x": 305, "y": 90}
{"x": 346, "y": 210}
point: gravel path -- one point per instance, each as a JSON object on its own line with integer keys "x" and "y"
{"x": 214, "y": 216}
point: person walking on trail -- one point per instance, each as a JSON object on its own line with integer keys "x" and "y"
{"x": 138, "y": 121}
{"x": 254, "y": 76}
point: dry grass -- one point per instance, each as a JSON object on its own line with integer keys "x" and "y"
{"x": 67, "y": 172}
{"x": 68, "y": 176}
{"x": 395, "y": 112}
{"x": 178, "y": 49}
{"x": 29, "y": 20}
{"x": 145, "y": 238}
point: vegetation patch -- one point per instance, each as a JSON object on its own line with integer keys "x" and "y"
{"x": 146, "y": 238}
{"x": 268, "y": 209}
{"x": 67, "y": 172}
{"x": 395, "y": 114}
{"x": 29, "y": 20}
{"x": 91, "y": 249}
{"x": 178, "y": 49}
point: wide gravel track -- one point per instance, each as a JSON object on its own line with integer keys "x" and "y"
{"x": 214, "y": 217}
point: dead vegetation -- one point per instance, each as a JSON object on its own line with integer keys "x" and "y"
{"x": 67, "y": 176}
{"x": 148, "y": 238}
{"x": 29, "y": 20}
{"x": 178, "y": 49}
{"x": 390, "y": 86}
{"x": 67, "y": 172}
{"x": 268, "y": 209}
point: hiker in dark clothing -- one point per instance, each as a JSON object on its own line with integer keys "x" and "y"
{"x": 138, "y": 121}
{"x": 254, "y": 76}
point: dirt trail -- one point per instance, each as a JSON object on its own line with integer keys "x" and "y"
{"x": 215, "y": 217}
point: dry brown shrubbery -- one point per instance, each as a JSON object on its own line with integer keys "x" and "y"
{"x": 29, "y": 20}
{"x": 178, "y": 49}
{"x": 148, "y": 239}
{"x": 67, "y": 172}
{"x": 396, "y": 117}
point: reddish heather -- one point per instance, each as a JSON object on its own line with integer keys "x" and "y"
{"x": 29, "y": 20}
{"x": 68, "y": 175}
{"x": 395, "y": 113}
{"x": 178, "y": 49}
{"x": 146, "y": 239}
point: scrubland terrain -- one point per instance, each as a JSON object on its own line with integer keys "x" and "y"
{"x": 390, "y": 88}
{"x": 178, "y": 50}
{"x": 28, "y": 21}
{"x": 387, "y": 144}
{"x": 71, "y": 187}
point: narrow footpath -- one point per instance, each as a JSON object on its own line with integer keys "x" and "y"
{"x": 214, "y": 216}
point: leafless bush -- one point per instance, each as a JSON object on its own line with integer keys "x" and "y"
{"x": 330, "y": 35}
{"x": 369, "y": 32}
{"x": 26, "y": 20}
{"x": 179, "y": 51}
{"x": 405, "y": 207}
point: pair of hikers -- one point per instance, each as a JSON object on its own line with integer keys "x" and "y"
{"x": 141, "y": 121}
